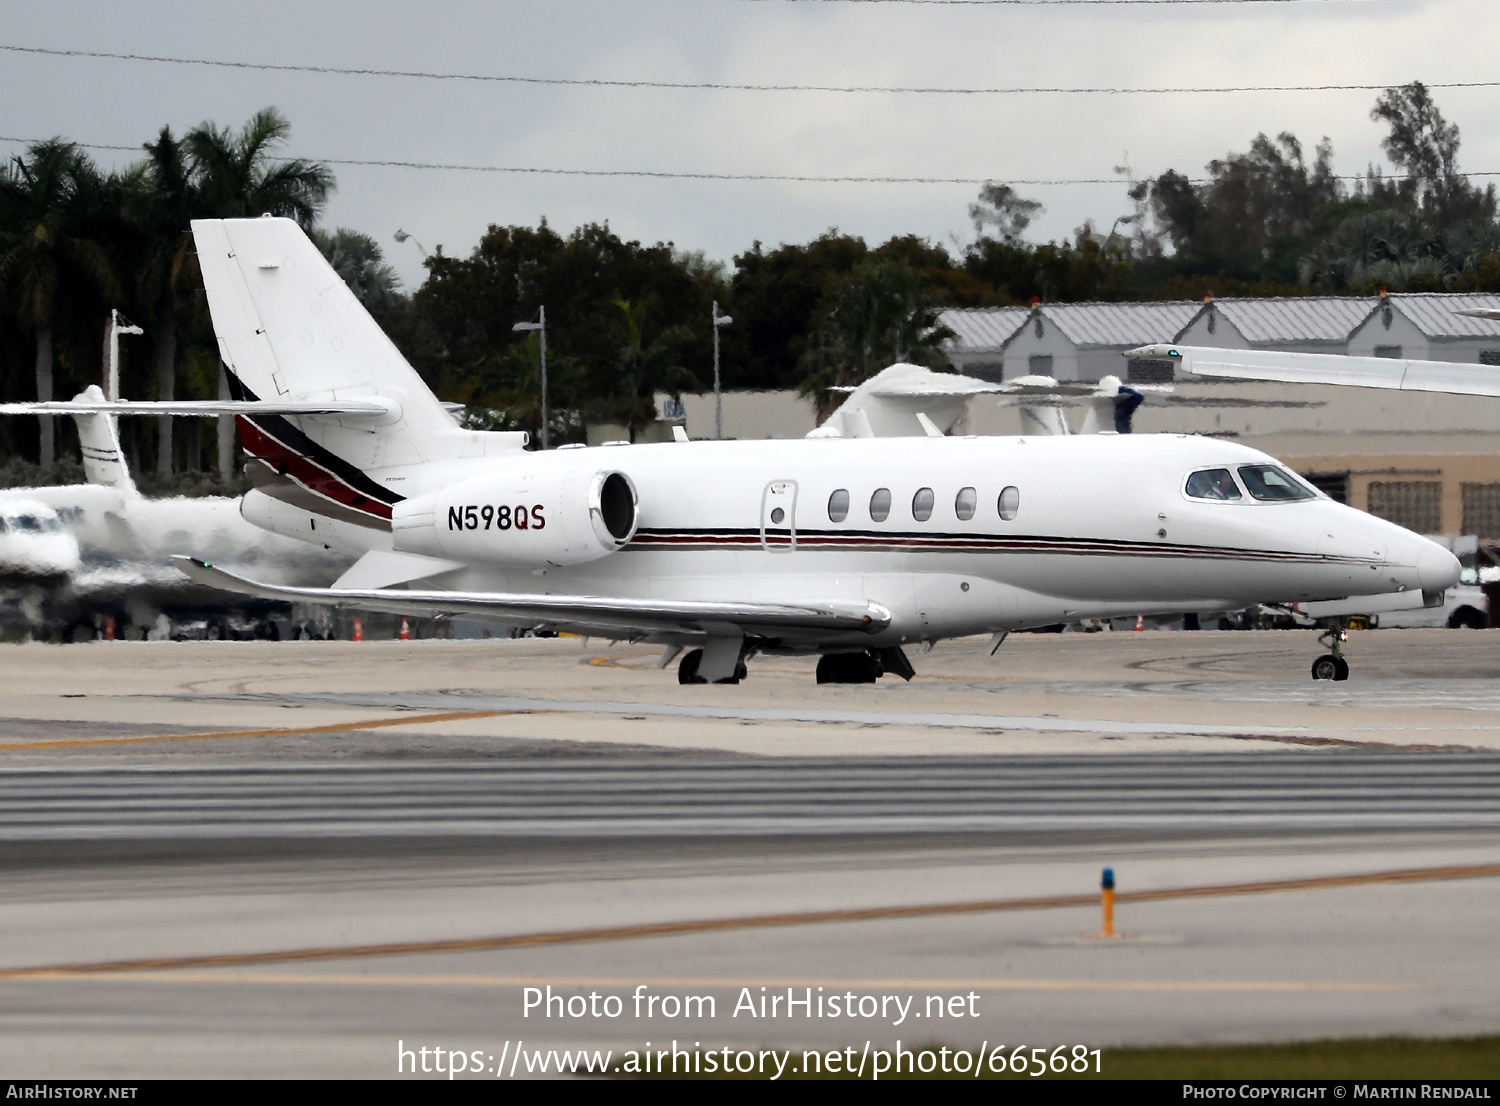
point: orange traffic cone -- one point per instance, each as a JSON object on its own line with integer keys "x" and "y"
{"x": 1140, "y": 622}
{"x": 405, "y": 631}
{"x": 359, "y": 631}
{"x": 109, "y": 627}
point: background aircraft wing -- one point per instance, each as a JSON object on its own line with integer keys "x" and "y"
{"x": 1455, "y": 377}
{"x": 622, "y": 616}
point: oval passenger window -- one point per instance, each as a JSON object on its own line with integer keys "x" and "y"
{"x": 778, "y": 516}
{"x": 1010, "y": 503}
{"x": 880, "y": 505}
{"x": 966, "y": 503}
{"x": 838, "y": 505}
{"x": 921, "y": 504}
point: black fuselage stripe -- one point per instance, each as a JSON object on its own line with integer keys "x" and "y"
{"x": 907, "y": 541}
{"x": 280, "y": 428}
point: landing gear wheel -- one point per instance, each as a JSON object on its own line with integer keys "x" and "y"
{"x": 848, "y": 668}
{"x": 1333, "y": 666}
{"x": 687, "y": 668}
{"x": 1330, "y": 667}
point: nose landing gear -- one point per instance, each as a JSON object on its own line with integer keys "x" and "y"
{"x": 1333, "y": 666}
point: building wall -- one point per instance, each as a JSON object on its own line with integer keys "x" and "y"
{"x": 1389, "y": 327}
{"x": 1044, "y": 340}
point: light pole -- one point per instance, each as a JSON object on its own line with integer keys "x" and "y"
{"x": 118, "y": 325}
{"x": 402, "y": 236}
{"x": 541, "y": 327}
{"x": 719, "y": 320}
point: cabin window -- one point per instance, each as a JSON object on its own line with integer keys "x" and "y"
{"x": 1213, "y": 484}
{"x": 4, "y": 526}
{"x": 1010, "y": 503}
{"x": 29, "y": 524}
{"x": 921, "y": 504}
{"x": 880, "y": 505}
{"x": 838, "y": 505}
{"x": 966, "y": 503}
{"x": 1274, "y": 485}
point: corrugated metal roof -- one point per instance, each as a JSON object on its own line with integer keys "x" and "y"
{"x": 1120, "y": 325}
{"x": 1433, "y": 313}
{"x": 1275, "y": 320}
{"x": 982, "y": 329}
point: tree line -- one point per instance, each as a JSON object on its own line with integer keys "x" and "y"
{"x": 627, "y": 320}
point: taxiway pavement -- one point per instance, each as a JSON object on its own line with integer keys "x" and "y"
{"x": 257, "y": 859}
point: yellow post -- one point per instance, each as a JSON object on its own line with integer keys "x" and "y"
{"x": 1107, "y": 887}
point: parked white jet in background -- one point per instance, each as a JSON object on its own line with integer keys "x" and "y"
{"x": 104, "y": 544}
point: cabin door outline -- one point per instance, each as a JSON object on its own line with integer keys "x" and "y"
{"x": 778, "y": 533}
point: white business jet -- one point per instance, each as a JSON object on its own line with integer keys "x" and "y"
{"x": 850, "y": 548}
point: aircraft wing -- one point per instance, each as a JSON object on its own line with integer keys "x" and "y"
{"x": 593, "y": 612}
{"x": 1455, "y": 377}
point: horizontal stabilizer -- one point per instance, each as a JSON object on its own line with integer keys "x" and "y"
{"x": 644, "y": 616}
{"x": 348, "y": 408}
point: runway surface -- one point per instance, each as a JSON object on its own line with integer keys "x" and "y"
{"x": 308, "y": 853}
{"x": 786, "y": 796}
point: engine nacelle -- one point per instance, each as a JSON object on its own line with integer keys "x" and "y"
{"x": 526, "y": 518}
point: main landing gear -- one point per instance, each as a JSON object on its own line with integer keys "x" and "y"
{"x": 1332, "y": 666}
{"x": 687, "y": 670}
{"x": 865, "y": 667}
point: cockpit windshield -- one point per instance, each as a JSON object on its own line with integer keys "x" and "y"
{"x": 1213, "y": 484}
{"x": 1271, "y": 484}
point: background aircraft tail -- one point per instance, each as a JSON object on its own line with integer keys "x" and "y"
{"x": 99, "y": 440}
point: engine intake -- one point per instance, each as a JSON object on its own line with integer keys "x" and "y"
{"x": 530, "y": 519}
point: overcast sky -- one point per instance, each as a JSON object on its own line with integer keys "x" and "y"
{"x": 743, "y": 41}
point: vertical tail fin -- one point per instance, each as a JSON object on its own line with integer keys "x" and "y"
{"x": 103, "y": 461}
{"x": 289, "y": 328}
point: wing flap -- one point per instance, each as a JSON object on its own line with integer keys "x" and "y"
{"x": 629, "y": 615}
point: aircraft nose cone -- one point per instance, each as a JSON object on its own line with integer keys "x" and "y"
{"x": 1437, "y": 568}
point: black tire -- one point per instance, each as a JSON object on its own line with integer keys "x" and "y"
{"x": 687, "y": 668}
{"x": 848, "y": 668}
{"x": 1327, "y": 668}
{"x": 1468, "y": 618}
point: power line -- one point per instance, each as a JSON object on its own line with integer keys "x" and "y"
{"x": 713, "y": 86}
{"x": 664, "y": 174}
{"x": 1054, "y": 3}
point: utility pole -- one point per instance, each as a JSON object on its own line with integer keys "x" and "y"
{"x": 541, "y": 327}
{"x": 718, "y": 321}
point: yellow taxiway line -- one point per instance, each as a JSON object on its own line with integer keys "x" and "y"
{"x": 716, "y": 925}
{"x": 334, "y": 727}
{"x": 389, "y": 980}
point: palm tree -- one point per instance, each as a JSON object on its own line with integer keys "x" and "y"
{"x": 879, "y": 316}
{"x": 163, "y": 199}
{"x": 211, "y": 173}
{"x": 240, "y": 176}
{"x": 49, "y": 252}
{"x": 359, "y": 260}
{"x": 642, "y": 368}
